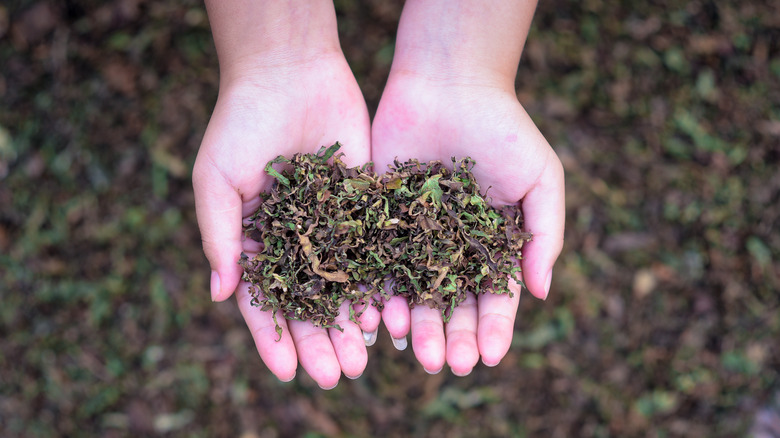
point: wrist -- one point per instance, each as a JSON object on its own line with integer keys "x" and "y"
{"x": 463, "y": 41}
{"x": 258, "y": 36}
{"x": 279, "y": 69}
{"x": 449, "y": 69}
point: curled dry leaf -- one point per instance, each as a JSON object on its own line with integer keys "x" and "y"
{"x": 326, "y": 228}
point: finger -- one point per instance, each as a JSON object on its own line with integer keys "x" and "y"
{"x": 544, "y": 213}
{"x": 316, "y": 353}
{"x": 248, "y": 246}
{"x": 496, "y": 323}
{"x": 218, "y": 208}
{"x": 461, "y": 334}
{"x": 349, "y": 344}
{"x": 278, "y": 354}
{"x": 397, "y": 319}
{"x": 368, "y": 318}
{"x": 428, "y": 338}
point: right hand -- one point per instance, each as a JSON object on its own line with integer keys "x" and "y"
{"x": 278, "y": 107}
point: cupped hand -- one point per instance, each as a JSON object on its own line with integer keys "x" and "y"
{"x": 436, "y": 118}
{"x": 263, "y": 112}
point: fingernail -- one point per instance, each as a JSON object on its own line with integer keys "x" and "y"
{"x": 491, "y": 365}
{"x": 328, "y": 389}
{"x": 215, "y": 284}
{"x": 288, "y": 380}
{"x": 463, "y": 374}
{"x": 433, "y": 372}
{"x": 354, "y": 377}
{"x": 400, "y": 343}
{"x": 370, "y": 338}
{"x": 547, "y": 284}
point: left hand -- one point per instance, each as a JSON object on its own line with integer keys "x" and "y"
{"x": 435, "y": 119}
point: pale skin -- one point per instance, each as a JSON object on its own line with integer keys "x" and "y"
{"x": 285, "y": 87}
{"x": 451, "y": 93}
{"x": 282, "y": 91}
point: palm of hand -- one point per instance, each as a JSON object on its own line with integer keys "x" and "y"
{"x": 429, "y": 121}
{"x": 253, "y": 122}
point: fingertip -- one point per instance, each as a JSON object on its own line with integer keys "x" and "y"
{"x": 397, "y": 317}
{"x": 279, "y": 355}
{"x": 286, "y": 376}
{"x": 492, "y": 353}
{"x": 328, "y": 386}
{"x": 368, "y": 316}
{"x": 357, "y": 367}
{"x": 428, "y": 341}
{"x": 461, "y": 373}
{"x": 316, "y": 352}
{"x": 490, "y": 363}
{"x": 462, "y": 366}
{"x": 328, "y": 381}
{"x": 461, "y": 337}
{"x": 539, "y": 255}
{"x": 497, "y": 314}
{"x": 433, "y": 372}
{"x": 349, "y": 344}
{"x": 537, "y": 273}
{"x": 224, "y": 282}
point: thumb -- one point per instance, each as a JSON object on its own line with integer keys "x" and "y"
{"x": 544, "y": 214}
{"x": 218, "y": 208}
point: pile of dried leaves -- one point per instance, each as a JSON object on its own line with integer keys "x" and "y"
{"x": 331, "y": 233}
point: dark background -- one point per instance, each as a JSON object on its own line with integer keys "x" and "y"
{"x": 664, "y": 314}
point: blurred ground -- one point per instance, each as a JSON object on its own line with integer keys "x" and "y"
{"x": 664, "y": 316}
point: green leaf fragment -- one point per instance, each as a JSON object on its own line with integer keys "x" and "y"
{"x": 326, "y": 229}
{"x": 271, "y": 171}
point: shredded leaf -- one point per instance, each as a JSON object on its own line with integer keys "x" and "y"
{"x": 326, "y": 229}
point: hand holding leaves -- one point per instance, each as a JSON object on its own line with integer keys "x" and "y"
{"x": 266, "y": 113}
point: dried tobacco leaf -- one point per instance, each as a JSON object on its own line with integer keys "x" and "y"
{"x": 331, "y": 233}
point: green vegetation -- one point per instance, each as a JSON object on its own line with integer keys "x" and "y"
{"x": 327, "y": 229}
